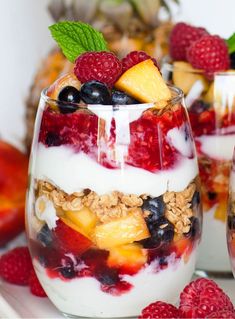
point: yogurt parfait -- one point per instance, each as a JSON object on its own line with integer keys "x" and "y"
{"x": 203, "y": 67}
{"x": 113, "y": 207}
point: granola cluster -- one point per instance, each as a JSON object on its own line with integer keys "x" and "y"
{"x": 107, "y": 207}
{"x": 115, "y": 205}
{"x": 178, "y": 208}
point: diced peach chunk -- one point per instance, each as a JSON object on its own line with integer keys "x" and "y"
{"x": 185, "y": 76}
{"x": 130, "y": 255}
{"x": 68, "y": 79}
{"x": 144, "y": 82}
{"x": 83, "y": 220}
{"x": 121, "y": 231}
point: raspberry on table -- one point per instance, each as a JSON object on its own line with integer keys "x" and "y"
{"x": 181, "y": 37}
{"x": 159, "y": 309}
{"x": 102, "y": 66}
{"x": 16, "y": 265}
{"x": 35, "y": 286}
{"x": 201, "y": 298}
{"x": 134, "y": 58}
{"x": 209, "y": 53}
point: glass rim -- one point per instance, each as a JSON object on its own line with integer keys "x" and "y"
{"x": 171, "y": 67}
{"x": 179, "y": 95}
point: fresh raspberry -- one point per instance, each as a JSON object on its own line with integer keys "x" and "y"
{"x": 100, "y": 66}
{"x": 70, "y": 240}
{"x": 209, "y": 53}
{"x": 134, "y": 58}
{"x": 181, "y": 37}
{"x": 15, "y": 266}
{"x": 35, "y": 286}
{"x": 201, "y": 298}
{"x": 159, "y": 309}
{"x": 222, "y": 314}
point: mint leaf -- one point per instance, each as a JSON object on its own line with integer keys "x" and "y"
{"x": 74, "y": 38}
{"x": 231, "y": 44}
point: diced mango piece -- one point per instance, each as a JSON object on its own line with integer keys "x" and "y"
{"x": 84, "y": 220}
{"x": 144, "y": 82}
{"x": 184, "y": 76}
{"x": 131, "y": 255}
{"x": 121, "y": 231}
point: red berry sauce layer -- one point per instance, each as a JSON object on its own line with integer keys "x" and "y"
{"x": 149, "y": 147}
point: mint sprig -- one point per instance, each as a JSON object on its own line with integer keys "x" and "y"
{"x": 75, "y": 38}
{"x": 231, "y": 43}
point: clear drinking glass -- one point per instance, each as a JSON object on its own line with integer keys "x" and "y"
{"x": 211, "y": 108}
{"x": 113, "y": 208}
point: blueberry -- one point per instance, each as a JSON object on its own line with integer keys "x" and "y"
{"x": 155, "y": 206}
{"x": 68, "y": 272}
{"x": 194, "y": 228}
{"x": 199, "y": 106}
{"x": 211, "y": 195}
{"x": 163, "y": 263}
{"x": 45, "y": 236}
{"x": 52, "y": 139}
{"x": 67, "y": 108}
{"x": 121, "y": 98}
{"x": 107, "y": 276}
{"x": 232, "y": 60}
{"x": 69, "y": 94}
{"x": 162, "y": 232}
{"x": 231, "y": 222}
{"x": 95, "y": 92}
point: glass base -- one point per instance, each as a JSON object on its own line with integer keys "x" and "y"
{"x": 214, "y": 274}
{"x": 79, "y": 317}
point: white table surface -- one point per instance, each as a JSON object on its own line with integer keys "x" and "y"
{"x": 18, "y": 302}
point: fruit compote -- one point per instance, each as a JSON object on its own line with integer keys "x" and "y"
{"x": 208, "y": 82}
{"x": 114, "y": 214}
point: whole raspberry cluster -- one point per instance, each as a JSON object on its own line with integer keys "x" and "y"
{"x": 202, "y": 50}
{"x": 202, "y": 298}
{"x": 102, "y": 66}
{"x": 181, "y": 37}
{"x": 16, "y": 268}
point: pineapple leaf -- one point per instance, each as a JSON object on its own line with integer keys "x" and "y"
{"x": 75, "y": 38}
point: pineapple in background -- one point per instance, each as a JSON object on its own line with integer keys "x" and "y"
{"x": 127, "y": 25}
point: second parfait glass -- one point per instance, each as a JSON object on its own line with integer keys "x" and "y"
{"x": 211, "y": 107}
{"x": 113, "y": 209}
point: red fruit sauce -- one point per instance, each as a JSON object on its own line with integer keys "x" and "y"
{"x": 148, "y": 149}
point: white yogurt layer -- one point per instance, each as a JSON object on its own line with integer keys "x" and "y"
{"x": 213, "y": 253}
{"x": 72, "y": 172}
{"x": 83, "y": 296}
{"x": 218, "y": 147}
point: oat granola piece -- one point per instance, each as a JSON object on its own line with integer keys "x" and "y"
{"x": 178, "y": 208}
{"x": 107, "y": 207}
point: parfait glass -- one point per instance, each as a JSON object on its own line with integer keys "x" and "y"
{"x": 113, "y": 205}
{"x": 211, "y": 108}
